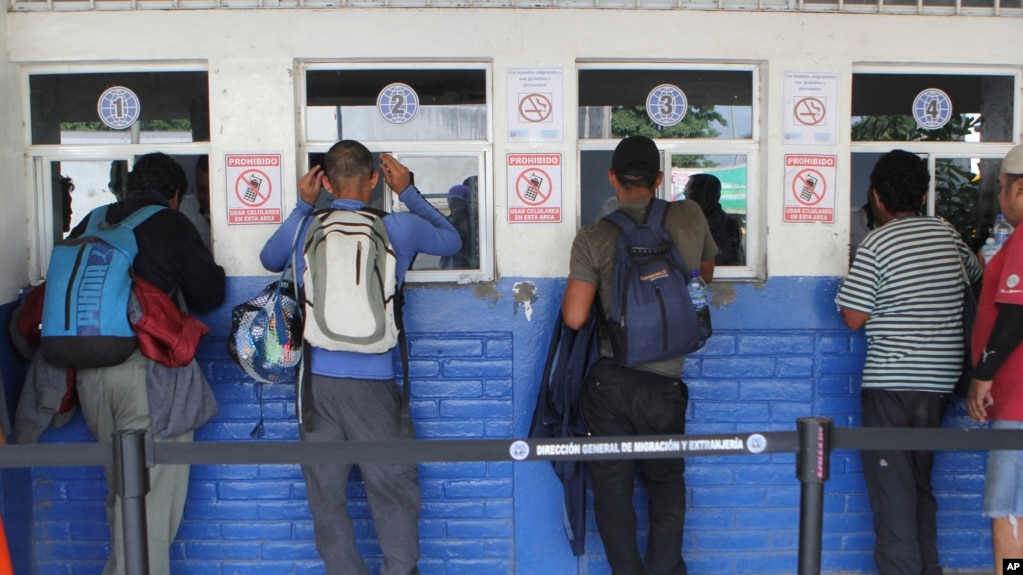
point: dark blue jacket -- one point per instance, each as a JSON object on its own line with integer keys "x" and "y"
{"x": 558, "y": 413}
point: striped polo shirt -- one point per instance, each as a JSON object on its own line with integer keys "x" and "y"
{"x": 908, "y": 277}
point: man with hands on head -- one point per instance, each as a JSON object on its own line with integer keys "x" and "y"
{"x": 354, "y": 395}
{"x": 996, "y": 392}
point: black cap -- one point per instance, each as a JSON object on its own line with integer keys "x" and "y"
{"x": 636, "y": 156}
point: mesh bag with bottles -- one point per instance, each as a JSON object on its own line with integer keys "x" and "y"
{"x": 266, "y": 332}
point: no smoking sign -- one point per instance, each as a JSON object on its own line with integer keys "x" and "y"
{"x": 535, "y": 108}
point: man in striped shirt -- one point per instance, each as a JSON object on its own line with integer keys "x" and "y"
{"x": 905, "y": 285}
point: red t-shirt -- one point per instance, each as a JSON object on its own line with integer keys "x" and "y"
{"x": 1003, "y": 283}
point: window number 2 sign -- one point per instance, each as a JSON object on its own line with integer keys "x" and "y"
{"x": 398, "y": 103}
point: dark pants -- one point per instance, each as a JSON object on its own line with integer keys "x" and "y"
{"x": 899, "y": 483}
{"x": 618, "y": 401}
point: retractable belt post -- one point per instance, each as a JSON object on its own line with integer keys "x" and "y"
{"x": 133, "y": 455}
{"x": 812, "y": 466}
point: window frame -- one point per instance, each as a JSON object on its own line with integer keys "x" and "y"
{"x": 950, "y": 149}
{"x": 756, "y": 200}
{"x": 41, "y": 156}
{"x": 482, "y": 149}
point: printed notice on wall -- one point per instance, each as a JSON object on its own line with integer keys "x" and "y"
{"x": 810, "y": 101}
{"x": 536, "y": 107}
{"x": 534, "y": 188}
{"x": 810, "y": 188}
{"x": 253, "y": 184}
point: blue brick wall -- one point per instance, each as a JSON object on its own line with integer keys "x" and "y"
{"x": 779, "y": 353}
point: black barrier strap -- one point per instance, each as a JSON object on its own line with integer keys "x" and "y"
{"x": 928, "y": 439}
{"x": 645, "y": 447}
{"x": 56, "y": 455}
{"x": 287, "y": 452}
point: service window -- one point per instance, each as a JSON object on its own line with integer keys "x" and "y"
{"x": 705, "y": 123}
{"x": 962, "y": 122}
{"x": 89, "y": 126}
{"x": 435, "y": 120}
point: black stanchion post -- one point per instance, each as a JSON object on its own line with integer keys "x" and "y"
{"x": 812, "y": 462}
{"x": 132, "y": 475}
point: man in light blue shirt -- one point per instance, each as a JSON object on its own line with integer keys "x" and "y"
{"x": 354, "y": 395}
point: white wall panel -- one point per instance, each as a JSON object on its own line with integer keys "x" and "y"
{"x": 251, "y": 57}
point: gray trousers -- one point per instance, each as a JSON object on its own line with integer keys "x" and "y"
{"x": 361, "y": 410}
{"x": 114, "y": 399}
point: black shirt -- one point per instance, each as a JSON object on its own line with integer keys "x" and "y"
{"x": 171, "y": 255}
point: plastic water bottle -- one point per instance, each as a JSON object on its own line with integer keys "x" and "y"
{"x": 1001, "y": 231}
{"x": 700, "y": 296}
{"x": 989, "y": 250}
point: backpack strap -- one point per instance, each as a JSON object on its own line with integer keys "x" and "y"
{"x": 96, "y": 217}
{"x": 98, "y": 222}
{"x": 406, "y": 388}
{"x": 657, "y": 208}
{"x": 140, "y": 215}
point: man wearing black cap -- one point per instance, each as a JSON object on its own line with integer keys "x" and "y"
{"x": 649, "y": 399}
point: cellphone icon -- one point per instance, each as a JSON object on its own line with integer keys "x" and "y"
{"x": 250, "y": 191}
{"x": 810, "y": 184}
{"x": 534, "y": 187}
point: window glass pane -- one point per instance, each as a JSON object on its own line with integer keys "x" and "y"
{"x": 91, "y": 185}
{"x": 598, "y": 197}
{"x": 718, "y": 185}
{"x": 981, "y": 107}
{"x": 169, "y": 106}
{"x": 716, "y": 104}
{"x": 450, "y": 184}
{"x": 959, "y": 192}
{"x": 342, "y": 104}
{"x": 965, "y": 194}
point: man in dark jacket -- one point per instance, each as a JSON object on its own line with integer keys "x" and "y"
{"x": 173, "y": 257}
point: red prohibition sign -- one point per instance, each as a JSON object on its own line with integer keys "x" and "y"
{"x": 809, "y": 187}
{"x": 535, "y": 108}
{"x": 253, "y": 188}
{"x": 530, "y": 186}
{"x": 809, "y": 111}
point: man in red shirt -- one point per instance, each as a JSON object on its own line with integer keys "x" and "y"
{"x": 996, "y": 393}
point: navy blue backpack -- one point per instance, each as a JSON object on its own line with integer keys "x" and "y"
{"x": 88, "y": 284}
{"x": 652, "y": 317}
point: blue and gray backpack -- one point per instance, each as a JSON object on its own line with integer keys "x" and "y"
{"x": 88, "y": 284}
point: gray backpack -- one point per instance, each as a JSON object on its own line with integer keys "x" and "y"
{"x": 350, "y": 282}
